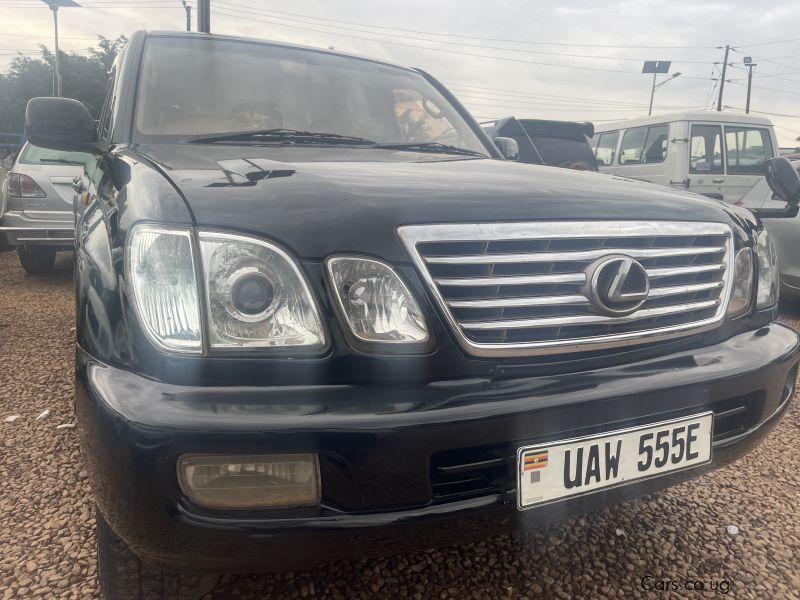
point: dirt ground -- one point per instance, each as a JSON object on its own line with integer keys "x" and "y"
{"x": 47, "y": 546}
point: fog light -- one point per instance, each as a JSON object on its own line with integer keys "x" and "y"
{"x": 258, "y": 481}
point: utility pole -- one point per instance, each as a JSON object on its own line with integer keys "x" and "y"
{"x": 54, "y": 4}
{"x": 188, "y": 10}
{"x": 722, "y": 80}
{"x": 204, "y": 16}
{"x": 748, "y": 62}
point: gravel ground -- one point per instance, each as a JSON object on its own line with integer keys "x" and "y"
{"x": 46, "y": 521}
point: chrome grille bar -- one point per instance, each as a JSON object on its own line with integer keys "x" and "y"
{"x": 569, "y": 256}
{"x": 590, "y": 319}
{"x": 533, "y": 301}
{"x": 521, "y": 280}
{"x": 515, "y": 289}
{"x": 673, "y": 271}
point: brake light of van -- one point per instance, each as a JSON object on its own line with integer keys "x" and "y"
{"x": 23, "y": 186}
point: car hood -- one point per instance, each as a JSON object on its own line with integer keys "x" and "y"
{"x": 355, "y": 202}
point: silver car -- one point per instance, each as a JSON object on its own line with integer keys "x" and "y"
{"x": 785, "y": 234}
{"x": 36, "y": 207}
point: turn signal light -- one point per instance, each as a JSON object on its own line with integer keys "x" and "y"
{"x": 250, "y": 481}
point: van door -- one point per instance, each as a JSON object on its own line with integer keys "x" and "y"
{"x": 706, "y": 162}
{"x": 747, "y": 148}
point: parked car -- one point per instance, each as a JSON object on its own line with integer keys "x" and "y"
{"x": 319, "y": 317}
{"x": 716, "y": 154}
{"x": 542, "y": 142}
{"x": 785, "y": 233}
{"x": 36, "y": 208}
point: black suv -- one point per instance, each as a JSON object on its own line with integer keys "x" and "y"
{"x": 320, "y": 317}
{"x": 546, "y": 142}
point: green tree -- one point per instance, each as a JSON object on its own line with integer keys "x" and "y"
{"x": 83, "y": 78}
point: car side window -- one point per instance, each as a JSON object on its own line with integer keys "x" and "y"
{"x": 705, "y": 149}
{"x": 655, "y": 144}
{"x": 630, "y": 152}
{"x": 104, "y": 125}
{"x": 747, "y": 149}
{"x": 606, "y": 148}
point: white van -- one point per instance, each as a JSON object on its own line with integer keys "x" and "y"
{"x": 717, "y": 154}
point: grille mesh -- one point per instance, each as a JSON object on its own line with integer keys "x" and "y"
{"x": 523, "y": 286}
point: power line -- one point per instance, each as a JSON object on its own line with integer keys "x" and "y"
{"x": 485, "y": 39}
{"x": 457, "y": 52}
{"x": 311, "y": 21}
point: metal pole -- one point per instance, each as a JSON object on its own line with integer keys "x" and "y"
{"x": 204, "y": 16}
{"x": 188, "y": 9}
{"x": 749, "y": 84}
{"x": 54, "y": 8}
{"x": 722, "y": 81}
{"x": 652, "y": 93}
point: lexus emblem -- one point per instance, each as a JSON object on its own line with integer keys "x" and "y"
{"x": 618, "y": 285}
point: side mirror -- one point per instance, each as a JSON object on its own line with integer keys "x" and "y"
{"x": 508, "y": 147}
{"x": 785, "y": 184}
{"x": 60, "y": 124}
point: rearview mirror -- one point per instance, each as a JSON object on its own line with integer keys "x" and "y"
{"x": 508, "y": 147}
{"x": 60, "y": 124}
{"x": 784, "y": 182}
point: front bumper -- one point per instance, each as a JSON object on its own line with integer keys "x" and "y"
{"x": 21, "y": 230}
{"x": 382, "y": 449}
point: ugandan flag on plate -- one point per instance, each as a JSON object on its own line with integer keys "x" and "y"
{"x": 535, "y": 460}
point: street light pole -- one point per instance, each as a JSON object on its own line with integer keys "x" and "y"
{"x": 655, "y": 87}
{"x": 748, "y": 62}
{"x": 652, "y": 93}
{"x": 188, "y": 10}
{"x": 54, "y": 5}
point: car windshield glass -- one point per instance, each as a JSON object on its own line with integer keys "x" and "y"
{"x": 34, "y": 155}
{"x": 562, "y": 152}
{"x": 198, "y": 87}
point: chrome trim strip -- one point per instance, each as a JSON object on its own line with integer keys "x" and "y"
{"x": 556, "y": 230}
{"x": 520, "y": 302}
{"x": 480, "y": 259}
{"x": 44, "y": 239}
{"x": 411, "y": 235}
{"x": 672, "y": 271}
{"x": 37, "y": 229}
{"x": 589, "y": 319}
{"x": 683, "y": 289}
{"x": 512, "y": 280}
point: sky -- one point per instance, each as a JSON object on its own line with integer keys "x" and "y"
{"x": 568, "y": 59}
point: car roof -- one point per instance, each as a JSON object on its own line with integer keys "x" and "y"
{"x": 700, "y": 115}
{"x": 263, "y": 42}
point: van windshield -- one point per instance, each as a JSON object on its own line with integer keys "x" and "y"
{"x": 200, "y": 87}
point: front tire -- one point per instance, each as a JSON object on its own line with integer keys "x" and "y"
{"x": 124, "y": 576}
{"x": 37, "y": 260}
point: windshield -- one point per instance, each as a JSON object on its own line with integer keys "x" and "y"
{"x": 564, "y": 152}
{"x": 200, "y": 87}
{"x": 34, "y": 155}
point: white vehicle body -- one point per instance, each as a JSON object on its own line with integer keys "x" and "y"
{"x": 716, "y": 154}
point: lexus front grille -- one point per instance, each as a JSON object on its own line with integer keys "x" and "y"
{"x": 515, "y": 289}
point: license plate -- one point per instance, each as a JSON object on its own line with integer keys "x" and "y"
{"x": 561, "y": 469}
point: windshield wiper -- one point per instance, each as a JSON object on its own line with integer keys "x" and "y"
{"x": 60, "y": 161}
{"x": 430, "y": 147}
{"x": 281, "y": 136}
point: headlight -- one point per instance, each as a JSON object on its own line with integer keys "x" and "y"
{"x": 163, "y": 285}
{"x": 257, "y": 297}
{"x": 375, "y": 302}
{"x": 768, "y": 276}
{"x": 742, "y": 285}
